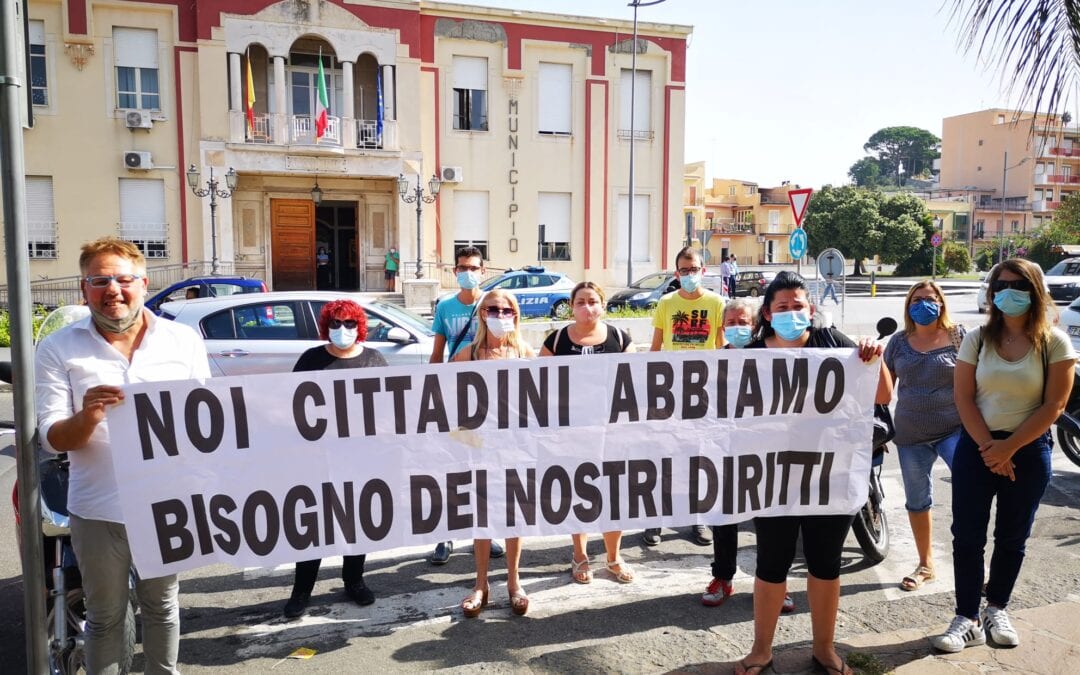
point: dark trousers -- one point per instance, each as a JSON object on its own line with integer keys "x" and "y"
{"x": 730, "y": 285}
{"x": 352, "y": 569}
{"x": 725, "y": 548}
{"x": 822, "y": 539}
{"x": 974, "y": 489}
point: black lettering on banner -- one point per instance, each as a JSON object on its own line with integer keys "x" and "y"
{"x": 613, "y": 471}
{"x": 432, "y": 408}
{"x": 770, "y": 477}
{"x": 552, "y": 476}
{"x": 695, "y": 399}
{"x": 212, "y": 440}
{"x": 170, "y": 523}
{"x": 823, "y": 479}
{"x": 372, "y": 489}
{"x": 481, "y": 498}
{"x": 665, "y": 486}
{"x": 367, "y": 387}
{"x": 468, "y": 380}
{"x": 721, "y": 388}
{"x": 624, "y": 400}
{"x": 525, "y": 496}
{"x": 240, "y": 417}
{"x": 830, "y": 366}
{"x": 398, "y": 385}
{"x": 261, "y": 499}
{"x": 659, "y": 376}
{"x": 228, "y": 537}
{"x": 202, "y": 528}
{"x": 418, "y": 487}
{"x": 339, "y": 511}
{"x": 749, "y": 480}
{"x": 301, "y": 530}
{"x": 502, "y": 380}
{"x": 455, "y": 499}
{"x": 564, "y": 396}
{"x": 308, "y": 390}
{"x": 727, "y": 485}
{"x": 640, "y": 484}
{"x": 789, "y": 388}
{"x": 530, "y": 396}
{"x": 341, "y": 409}
{"x": 700, "y": 465}
{"x": 807, "y": 460}
{"x": 783, "y": 459}
{"x": 590, "y": 505}
{"x": 162, "y": 426}
{"x": 749, "y": 390}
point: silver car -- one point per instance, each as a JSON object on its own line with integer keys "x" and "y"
{"x": 247, "y": 334}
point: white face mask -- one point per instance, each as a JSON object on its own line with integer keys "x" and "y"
{"x": 499, "y": 327}
{"x": 343, "y": 338}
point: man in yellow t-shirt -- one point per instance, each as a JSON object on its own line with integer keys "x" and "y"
{"x": 689, "y": 318}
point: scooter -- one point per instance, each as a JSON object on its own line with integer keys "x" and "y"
{"x": 1068, "y": 425}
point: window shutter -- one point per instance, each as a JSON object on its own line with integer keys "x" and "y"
{"x": 37, "y": 32}
{"x": 642, "y": 100}
{"x": 556, "y": 82}
{"x": 39, "y": 201}
{"x": 142, "y": 205}
{"x": 470, "y": 215}
{"x": 553, "y": 211}
{"x": 470, "y": 72}
{"x": 135, "y": 47}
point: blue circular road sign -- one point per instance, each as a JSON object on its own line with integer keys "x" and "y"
{"x": 797, "y": 243}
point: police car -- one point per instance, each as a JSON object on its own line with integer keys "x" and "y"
{"x": 539, "y": 292}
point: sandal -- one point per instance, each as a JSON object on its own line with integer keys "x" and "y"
{"x": 580, "y": 572}
{"x": 916, "y": 579}
{"x": 756, "y": 667}
{"x": 625, "y": 573}
{"x": 820, "y": 667}
{"x": 475, "y": 603}
{"x": 519, "y": 602}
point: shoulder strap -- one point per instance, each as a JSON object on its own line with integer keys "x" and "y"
{"x": 465, "y": 328}
{"x": 622, "y": 337}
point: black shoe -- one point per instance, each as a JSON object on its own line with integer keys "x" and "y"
{"x": 497, "y": 549}
{"x": 702, "y": 535}
{"x": 297, "y": 605}
{"x": 359, "y": 592}
{"x": 651, "y": 536}
{"x": 441, "y": 554}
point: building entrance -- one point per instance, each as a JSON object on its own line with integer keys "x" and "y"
{"x": 335, "y": 233}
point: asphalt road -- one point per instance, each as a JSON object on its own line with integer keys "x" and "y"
{"x": 231, "y": 618}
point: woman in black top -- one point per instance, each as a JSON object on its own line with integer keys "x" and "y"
{"x": 785, "y": 322}
{"x": 344, "y": 324}
{"x": 586, "y": 336}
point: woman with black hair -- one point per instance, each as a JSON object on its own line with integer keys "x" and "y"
{"x": 785, "y": 322}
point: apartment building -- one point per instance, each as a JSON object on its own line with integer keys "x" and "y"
{"x": 523, "y": 117}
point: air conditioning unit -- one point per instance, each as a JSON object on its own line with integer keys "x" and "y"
{"x": 451, "y": 174}
{"x": 138, "y": 119}
{"x": 138, "y": 160}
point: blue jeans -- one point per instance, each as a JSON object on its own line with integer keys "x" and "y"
{"x": 916, "y": 463}
{"x": 974, "y": 489}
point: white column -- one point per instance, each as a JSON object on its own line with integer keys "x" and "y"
{"x": 348, "y": 113}
{"x": 234, "y": 82}
{"x": 388, "y": 93}
{"x": 281, "y": 125}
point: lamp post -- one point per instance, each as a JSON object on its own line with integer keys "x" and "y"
{"x": 939, "y": 225}
{"x": 212, "y": 190}
{"x": 900, "y": 175}
{"x": 633, "y": 85}
{"x": 1004, "y": 174}
{"x": 419, "y": 198}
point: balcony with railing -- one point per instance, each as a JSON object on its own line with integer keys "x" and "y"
{"x": 988, "y": 203}
{"x": 41, "y": 240}
{"x": 1044, "y": 205}
{"x": 152, "y": 239}
{"x": 303, "y": 131}
{"x": 638, "y": 134}
{"x": 341, "y": 132}
{"x": 1060, "y": 151}
{"x": 1056, "y": 179}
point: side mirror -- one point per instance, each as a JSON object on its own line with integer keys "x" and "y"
{"x": 399, "y": 335}
{"x": 886, "y": 327}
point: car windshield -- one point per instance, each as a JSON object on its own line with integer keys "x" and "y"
{"x": 1065, "y": 268}
{"x": 650, "y": 282}
{"x": 403, "y": 317}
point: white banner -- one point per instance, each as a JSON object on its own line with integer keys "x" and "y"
{"x": 270, "y": 469}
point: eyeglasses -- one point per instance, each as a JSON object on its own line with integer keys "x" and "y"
{"x": 503, "y": 312}
{"x": 686, "y": 271}
{"x": 339, "y": 323}
{"x": 102, "y": 281}
{"x": 1017, "y": 284}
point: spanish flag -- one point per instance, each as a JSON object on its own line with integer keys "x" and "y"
{"x": 250, "y": 100}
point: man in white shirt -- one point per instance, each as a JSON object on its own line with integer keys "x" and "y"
{"x": 726, "y": 274}
{"x": 80, "y": 371}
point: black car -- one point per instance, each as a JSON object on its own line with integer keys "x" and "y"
{"x": 752, "y": 283}
{"x": 645, "y": 292}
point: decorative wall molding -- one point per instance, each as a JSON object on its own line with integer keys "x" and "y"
{"x": 79, "y": 53}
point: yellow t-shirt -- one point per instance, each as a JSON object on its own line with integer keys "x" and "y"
{"x": 689, "y": 324}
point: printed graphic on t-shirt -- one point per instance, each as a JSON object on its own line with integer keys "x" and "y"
{"x": 690, "y": 328}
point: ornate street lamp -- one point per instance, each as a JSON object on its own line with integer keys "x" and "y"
{"x": 418, "y": 197}
{"x": 212, "y": 190}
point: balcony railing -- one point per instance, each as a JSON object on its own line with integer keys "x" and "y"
{"x": 639, "y": 134}
{"x": 302, "y": 131}
{"x": 275, "y": 129}
{"x": 1056, "y": 179}
{"x": 1044, "y": 205}
{"x": 1065, "y": 152}
{"x": 262, "y": 131}
{"x": 368, "y": 137}
{"x": 733, "y": 228}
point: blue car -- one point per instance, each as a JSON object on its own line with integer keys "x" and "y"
{"x": 204, "y": 287}
{"x": 539, "y": 292}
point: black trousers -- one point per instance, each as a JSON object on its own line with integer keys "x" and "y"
{"x": 725, "y": 548}
{"x": 352, "y": 569}
{"x": 823, "y": 542}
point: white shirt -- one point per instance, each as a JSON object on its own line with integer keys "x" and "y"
{"x": 76, "y": 358}
{"x": 725, "y": 269}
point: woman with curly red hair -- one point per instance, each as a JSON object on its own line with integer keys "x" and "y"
{"x": 344, "y": 324}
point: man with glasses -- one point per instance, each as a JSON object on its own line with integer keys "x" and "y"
{"x": 80, "y": 371}
{"x": 689, "y": 318}
{"x": 455, "y": 326}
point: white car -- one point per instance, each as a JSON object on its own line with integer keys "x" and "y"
{"x": 1063, "y": 280}
{"x": 252, "y": 333}
{"x": 1070, "y": 323}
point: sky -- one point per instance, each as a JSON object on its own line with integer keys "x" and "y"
{"x": 792, "y": 89}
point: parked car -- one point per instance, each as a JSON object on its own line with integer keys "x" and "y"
{"x": 539, "y": 292}
{"x": 645, "y": 292}
{"x": 205, "y": 287}
{"x": 752, "y": 283}
{"x": 1070, "y": 323}
{"x": 1063, "y": 280}
{"x": 265, "y": 333}
{"x": 982, "y": 300}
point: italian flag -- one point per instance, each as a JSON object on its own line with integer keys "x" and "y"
{"x": 321, "y": 104}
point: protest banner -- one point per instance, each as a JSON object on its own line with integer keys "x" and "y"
{"x": 270, "y": 469}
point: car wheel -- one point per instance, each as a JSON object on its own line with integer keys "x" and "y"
{"x": 561, "y": 310}
{"x": 753, "y": 292}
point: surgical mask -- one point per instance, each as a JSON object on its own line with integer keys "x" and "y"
{"x": 121, "y": 325}
{"x": 924, "y": 312}
{"x": 1012, "y": 302}
{"x": 343, "y": 337}
{"x": 790, "y": 325}
{"x": 587, "y": 313}
{"x": 468, "y": 280}
{"x": 499, "y": 327}
{"x": 738, "y": 336}
{"x": 690, "y": 282}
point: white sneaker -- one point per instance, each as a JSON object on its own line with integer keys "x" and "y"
{"x": 1001, "y": 629}
{"x": 962, "y": 632}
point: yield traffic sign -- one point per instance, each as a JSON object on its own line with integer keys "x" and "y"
{"x": 799, "y": 200}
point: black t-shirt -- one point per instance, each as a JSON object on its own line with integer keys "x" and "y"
{"x": 820, "y": 338}
{"x": 320, "y": 358}
{"x": 560, "y": 344}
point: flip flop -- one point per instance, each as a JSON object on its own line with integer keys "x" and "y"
{"x": 758, "y": 667}
{"x": 916, "y": 579}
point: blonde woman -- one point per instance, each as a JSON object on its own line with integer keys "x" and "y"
{"x": 586, "y": 336}
{"x": 923, "y": 359}
{"x": 498, "y": 336}
{"x": 1013, "y": 376}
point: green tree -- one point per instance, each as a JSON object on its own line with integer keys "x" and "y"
{"x": 866, "y": 172}
{"x": 916, "y": 148}
{"x": 957, "y": 259}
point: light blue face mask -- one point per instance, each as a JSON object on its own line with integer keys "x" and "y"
{"x": 1012, "y": 302}
{"x": 738, "y": 336}
{"x": 468, "y": 280}
{"x": 690, "y": 282}
{"x": 790, "y": 325}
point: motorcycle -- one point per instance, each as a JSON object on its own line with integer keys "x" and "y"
{"x": 1068, "y": 425}
{"x": 65, "y": 606}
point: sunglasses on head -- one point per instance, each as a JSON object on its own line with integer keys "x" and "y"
{"x": 1016, "y": 284}
{"x": 343, "y": 323}
{"x": 504, "y": 312}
